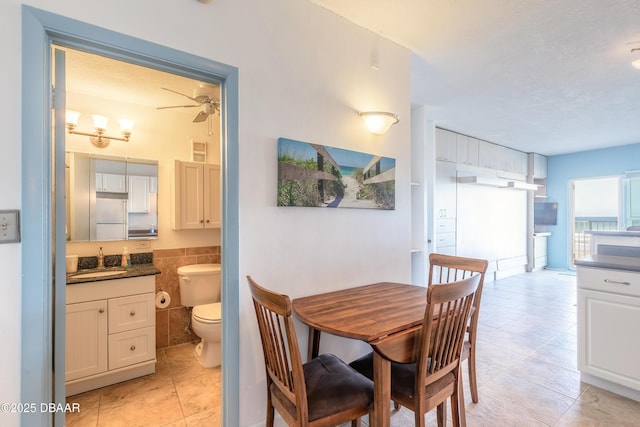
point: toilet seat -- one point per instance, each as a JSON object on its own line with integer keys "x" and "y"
{"x": 208, "y": 313}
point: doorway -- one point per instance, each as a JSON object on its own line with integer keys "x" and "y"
{"x": 43, "y": 283}
{"x": 167, "y": 120}
{"x": 596, "y": 205}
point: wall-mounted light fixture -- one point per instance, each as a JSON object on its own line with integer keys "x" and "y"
{"x": 98, "y": 138}
{"x": 379, "y": 122}
{"x": 636, "y": 62}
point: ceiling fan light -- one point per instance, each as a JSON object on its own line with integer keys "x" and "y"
{"x": 379, "y": 122}
{"x": 636, "y": 64}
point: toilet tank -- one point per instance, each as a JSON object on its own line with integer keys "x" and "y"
{"x": 199, "y": 284}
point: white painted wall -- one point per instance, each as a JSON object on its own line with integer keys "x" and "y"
{"x": 303, "y": 74}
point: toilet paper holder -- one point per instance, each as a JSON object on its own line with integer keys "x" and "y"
{"x": 163, "y": 299}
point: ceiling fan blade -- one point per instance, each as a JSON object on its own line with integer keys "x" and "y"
{"x": 201, "y": 117}
{"x": 180, "y": 93}
{"x": 176, "y": 106}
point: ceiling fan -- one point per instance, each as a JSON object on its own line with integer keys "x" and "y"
{"x": 201, "y": 99}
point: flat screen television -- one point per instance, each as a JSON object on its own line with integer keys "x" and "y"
{"x": 545, "y": 213}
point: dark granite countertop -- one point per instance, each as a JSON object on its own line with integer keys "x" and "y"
{"x": 135, "y": 270}
{"x": 624, "y": 263}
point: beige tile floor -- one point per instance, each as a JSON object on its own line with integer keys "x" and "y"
{"x": 526, "y": 362}
{"x": 180, "y": 394}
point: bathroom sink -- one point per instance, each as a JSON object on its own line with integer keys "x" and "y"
{"x": 96, "y": 274}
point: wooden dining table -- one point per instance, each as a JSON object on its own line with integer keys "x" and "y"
{"x": 386, "y": 315}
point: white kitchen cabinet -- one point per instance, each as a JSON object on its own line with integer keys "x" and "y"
{"x": 445, "y": 193}
{"x": 539, "y": 166}
{"x": 196, "y": 195}
{"x": 445, "y": 190}
{"x": 112, "y": 183}
{"x": 540, "y": 250}
{"x": 467, "y": 150}
{"x": 139, "y": 189}
{"x": 110, "y": 332}
{"x": 446, "y": 145}
{"x": 491, "y": 156}
{"x": 608, "y": 311}
{"x": 515, "y": 161}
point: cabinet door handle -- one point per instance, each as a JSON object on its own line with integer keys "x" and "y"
{"x": 616, "y": 282}
{"x": 133, "y": 313}
{"x": 101, "y": 310}
{"x": 132, "y": 348}
{"x": 207, "y": 221}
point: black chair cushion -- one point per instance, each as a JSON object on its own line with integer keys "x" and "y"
{"x": 403, "y": 376}
{"x": 332, "y": 387}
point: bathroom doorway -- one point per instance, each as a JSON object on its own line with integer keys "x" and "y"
{"x": 170, "y": 115}
{"x": 42, "y": 378}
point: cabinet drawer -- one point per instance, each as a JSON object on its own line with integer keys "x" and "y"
{"x": 445, "y": 225}
{"x": 128, "y": 348}
{"x": 133, "y": 312}
{"x": 612, "y": 281}
{"x": 445, "y": 239}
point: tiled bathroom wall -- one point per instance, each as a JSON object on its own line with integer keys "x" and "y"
{"x": 172, "y": 321}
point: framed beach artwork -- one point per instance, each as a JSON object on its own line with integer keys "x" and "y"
{"x": 314, "y": 175}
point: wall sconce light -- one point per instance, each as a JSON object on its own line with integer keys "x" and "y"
{"x": 379, "y": 122}
{"x": 636, "y": 62}
{"x": 98, "y": 138}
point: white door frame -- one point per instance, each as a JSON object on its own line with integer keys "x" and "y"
{"x": 42, "y": 294}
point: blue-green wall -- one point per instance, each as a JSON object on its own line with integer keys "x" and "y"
{"x": 561, "y": 169}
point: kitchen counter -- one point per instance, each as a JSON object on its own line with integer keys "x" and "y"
{"x": 621, "y": 233}
{"x": 136, "y": 270}
{"x": 624, "y": 263}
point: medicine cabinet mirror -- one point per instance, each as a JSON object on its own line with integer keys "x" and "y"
{"x": 110, "y": 198}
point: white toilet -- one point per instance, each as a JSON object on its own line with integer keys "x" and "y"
{"x": 200, "y": 289}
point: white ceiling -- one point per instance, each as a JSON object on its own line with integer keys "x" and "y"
{"x": 548, "y": 76}
{"x": 112, "y": 80}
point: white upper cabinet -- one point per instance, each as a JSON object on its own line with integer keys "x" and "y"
{"x": 515, "y": 161}
{"x": 467, "y": 150}
{"x": 196, "y": 195}
{"x": 491, "y": 156}
{"x": 113, "y": 183}
{"x": 446, "y": 145}
{"x": 539, "y": 166}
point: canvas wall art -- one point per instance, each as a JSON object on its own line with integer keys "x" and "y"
{"x": 315, "y": 175}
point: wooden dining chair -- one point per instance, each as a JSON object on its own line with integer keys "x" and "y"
{"x": 322, "y": 392}
{"x": 433, "y": 375}
{"x": 447, "y": 268}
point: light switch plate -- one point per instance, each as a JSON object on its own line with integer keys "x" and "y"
{"x": 9, "y": 226}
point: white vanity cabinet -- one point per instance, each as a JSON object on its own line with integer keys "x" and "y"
{"x": 608, "y": 313}
{"x": 196, "y": 195}
{"x": 110, "y": 332}
{"x": 86, "y": 336}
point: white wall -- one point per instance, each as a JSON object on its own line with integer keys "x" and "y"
{"x": 303, "y": 74}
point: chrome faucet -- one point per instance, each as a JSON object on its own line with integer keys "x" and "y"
{"x": 100, "y": 258}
